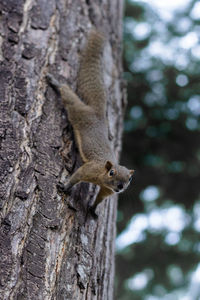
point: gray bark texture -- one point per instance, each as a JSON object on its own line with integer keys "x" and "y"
{"x": 50, "y": 247}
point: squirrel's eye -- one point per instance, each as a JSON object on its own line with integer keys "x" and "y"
{"x": 111, "y": 173}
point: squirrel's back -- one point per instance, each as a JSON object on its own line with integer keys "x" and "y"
{"x": 90, "y": 78}
{"x": 92, "y": 139}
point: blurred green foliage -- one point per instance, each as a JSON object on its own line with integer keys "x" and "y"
{"x": 158, "y": 247}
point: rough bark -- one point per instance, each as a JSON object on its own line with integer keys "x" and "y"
{"x": 50, "y": 248}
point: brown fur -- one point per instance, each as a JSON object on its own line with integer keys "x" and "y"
{"x": 89, "y": 122}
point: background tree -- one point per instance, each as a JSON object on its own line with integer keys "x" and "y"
{"x": 51, "y": 248}
{"x": 159, "y": 251}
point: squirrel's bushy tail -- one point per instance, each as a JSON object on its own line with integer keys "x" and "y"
{"x": 90, "y": 78}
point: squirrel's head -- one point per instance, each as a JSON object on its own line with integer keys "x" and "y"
{"x": 117, "y": 178}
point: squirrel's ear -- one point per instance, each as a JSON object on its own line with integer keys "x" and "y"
{"x": 132, "y": 171}
{"x": 108, "y": 165}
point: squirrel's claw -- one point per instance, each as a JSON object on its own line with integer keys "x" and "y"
{"x": 53, "y": 82}
{"x": 63, "y": 189}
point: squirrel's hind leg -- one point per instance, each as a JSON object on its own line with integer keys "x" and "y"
{"x": 67, "y": 94}
{"x": 69, "y": 97}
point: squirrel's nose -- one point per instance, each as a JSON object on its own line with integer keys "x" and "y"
{"x": 120, "y": 186}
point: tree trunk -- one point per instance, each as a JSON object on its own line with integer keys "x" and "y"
{"x": 50, "y": 248}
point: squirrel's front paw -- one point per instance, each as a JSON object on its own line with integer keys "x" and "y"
{"x": 63, "y": 188}
{"x": 93, "y": 213}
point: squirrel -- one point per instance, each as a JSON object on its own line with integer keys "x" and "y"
{"x": 90, "y": 126}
